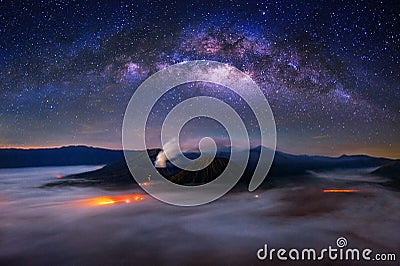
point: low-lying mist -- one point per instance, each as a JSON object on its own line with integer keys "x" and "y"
{"x": 66, "y": 226}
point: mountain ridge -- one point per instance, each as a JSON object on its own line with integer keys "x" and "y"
{"x": 284, "y": 165}
{"x": 82, "y": 154}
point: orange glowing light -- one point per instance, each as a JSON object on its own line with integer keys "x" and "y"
{"x": 111, "y": 200}
{"x": 58, "y": 176}
{"x": 340, "y": 190}
{"x": 105, "y": 202}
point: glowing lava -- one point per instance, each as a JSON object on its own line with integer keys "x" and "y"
{"x": 340, "y": 190}
{"x": 111, "y": 200}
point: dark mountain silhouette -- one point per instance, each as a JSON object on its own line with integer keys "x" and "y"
{"x": 285, "y": 164}
{"x": 115, "y": 173}
{"x": 390, "y": 171}
{"x": 214, "y": 168}
{"x": 285, "y": 167}
{"x": 71, "y": 155}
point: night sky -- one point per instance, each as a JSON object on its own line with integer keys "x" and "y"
{"x": 330, "y": 70}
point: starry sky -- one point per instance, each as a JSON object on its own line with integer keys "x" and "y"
{"x": 329, "y": 69}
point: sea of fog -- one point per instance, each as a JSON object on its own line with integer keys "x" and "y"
{"x": 93, "y": 226}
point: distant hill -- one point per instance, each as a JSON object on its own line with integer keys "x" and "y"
{"x": 71, "y": 155}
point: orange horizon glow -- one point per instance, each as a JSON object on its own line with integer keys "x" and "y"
{"x": 376, "y": 152}
{"x": 39, "y": 147}
{"x": 340, "y": 190}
